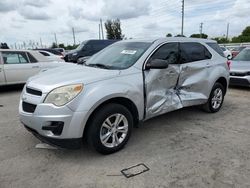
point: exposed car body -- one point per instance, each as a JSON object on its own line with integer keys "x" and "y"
{"x": 126, "y": 83}
{"x": 240, "y": 69}
{"x": 16, "y": 66}
{"x": 227, "y": 53}
{"x": 51, "y": 57}
{"x": 87, "y": 48}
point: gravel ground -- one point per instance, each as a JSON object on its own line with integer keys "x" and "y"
{"x": 185, "y": 148}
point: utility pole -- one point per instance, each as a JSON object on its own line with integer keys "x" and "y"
{"x": 227, "y": 31}
{"x": 201, "y": 27}
{"x": 101, "y": 29}
{"x": 55, "y": 38}
{"x": 182, "y": 18}
{"x": 74, "y": 38}
{"x": 41, "y": 42}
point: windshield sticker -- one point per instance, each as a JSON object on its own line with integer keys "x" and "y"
{"x": 129, "y": 52}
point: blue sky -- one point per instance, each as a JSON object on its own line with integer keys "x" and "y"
{"x": 29, "y": 20}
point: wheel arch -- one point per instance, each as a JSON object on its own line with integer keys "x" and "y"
{"x": 129, "y": 104}
{"x": 223, "y": 82}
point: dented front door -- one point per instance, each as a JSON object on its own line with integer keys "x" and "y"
{"x": 160, "y": 84}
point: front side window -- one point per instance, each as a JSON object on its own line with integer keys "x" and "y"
{"x": 119, "y": 55}
{"x": 191, "y": 51}
{"x": 15, "y": 57}
{"x": 166, "y": 52}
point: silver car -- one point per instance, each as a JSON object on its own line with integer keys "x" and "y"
{"x": 240, "y": 69}
{"x": 16, "y": 66}
{"x": 123, "y": 85}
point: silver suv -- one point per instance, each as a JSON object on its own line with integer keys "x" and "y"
{"x": 120, "y": 87}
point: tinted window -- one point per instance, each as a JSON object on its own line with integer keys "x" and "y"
{"x": 15, "y": 57}
{"x": 192, "y": 51}
{"x": 216, "y": 47}
{"x": 167, "y": 51}
{"x": 32, "y": 59}
{"x": 44, "y": 53}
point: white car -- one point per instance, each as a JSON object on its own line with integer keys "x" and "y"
{"x": 16, "y": 66}
{"x": 227, "y": 53}
{"x": 51, "y": 57}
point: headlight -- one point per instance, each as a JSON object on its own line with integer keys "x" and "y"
{"x": 74, "y": 54}
{"x": 62, "y": 95}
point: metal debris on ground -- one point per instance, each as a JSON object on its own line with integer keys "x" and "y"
{"x": 134, "y": 170}
{"x": 44, "y": 146}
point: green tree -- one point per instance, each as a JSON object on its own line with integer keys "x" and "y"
{"x": 4, "y": 46}
{"x": 54, "y": 45}
{"x": 203, "y": 35}
{"x": 169, "y": 35}
{"x": 61, "y": 45}
{"x": 244, "y": 37}
{"x": 221, "y": 40}
{"x": 113, "y": 29}
{"x": 179, "y": 35}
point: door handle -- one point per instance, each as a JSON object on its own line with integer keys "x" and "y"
{"x": 35, "y": 67}
{"x": 208, "y": 65}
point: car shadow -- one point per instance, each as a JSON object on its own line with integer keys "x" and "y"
{"x": 11, "y": 88}
{"x": 240, "y": 87}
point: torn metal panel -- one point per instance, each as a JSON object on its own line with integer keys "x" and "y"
{"x": 194, "y": 85}
{"x": 161, "y": 90}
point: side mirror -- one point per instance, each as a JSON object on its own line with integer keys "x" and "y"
{"x": 157, "y": 64}
{"x": 82, "y": 60}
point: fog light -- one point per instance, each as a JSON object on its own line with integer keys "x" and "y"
{"x": 56, "y": 127}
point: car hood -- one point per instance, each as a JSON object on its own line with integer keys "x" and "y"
{"x": 69, "y": 74}
{"x": 240, "y": 66}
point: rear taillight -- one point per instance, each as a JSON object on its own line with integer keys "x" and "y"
{"x": 229, "y": 64}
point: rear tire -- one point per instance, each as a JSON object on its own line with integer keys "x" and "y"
{"x": 216, "y": 98}
{"x": 110, "y": 128}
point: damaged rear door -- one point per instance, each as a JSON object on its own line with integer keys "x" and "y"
{"x": 193, "y": 86}
{"x": 160, "y": 84}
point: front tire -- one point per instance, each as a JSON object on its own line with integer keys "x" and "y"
{"x": 216, "y": 98}
{"x": 110, "y": 128}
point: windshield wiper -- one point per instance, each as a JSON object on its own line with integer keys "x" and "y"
{"x": 99, "y": 66}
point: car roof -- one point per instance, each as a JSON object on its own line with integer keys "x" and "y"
{"x": 170, "y": 39}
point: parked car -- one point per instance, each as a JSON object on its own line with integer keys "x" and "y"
{"x": 16, "y": 66}
{"x": 240, "y": 69}
{"x": 125, "y": 84}
{"x": 227, "y": 53}
{"x": 50, "y": 56}
{"x": 87, "y": 48}
{"x": 235, "y": 51}
{"x": 53, "y": 51}
{"x": 61, "y": 50}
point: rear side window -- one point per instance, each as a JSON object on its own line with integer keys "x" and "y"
{"x": 191, "y": 51}
{"x": 32, "y": 59}
{"x": 15, "y": 58}
{"x": 44, "y": 53}
{"x": 216, "y": 47}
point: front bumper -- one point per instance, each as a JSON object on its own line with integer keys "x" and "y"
{"x": 240, "y": 81}
{"x": 41, "y": 122}
{"x": 73, "y": 143}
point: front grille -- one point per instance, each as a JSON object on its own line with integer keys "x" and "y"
{"x": 239, "y": 81}
{"x": 238, "y": 74}
{"x": 27, "y": 107}
{"x": 33, "y": 91}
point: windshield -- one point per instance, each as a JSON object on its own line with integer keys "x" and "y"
{"x": 81, "y": 45}
{"x": 119, "y": 55}
{"x": 244, "y": 55}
